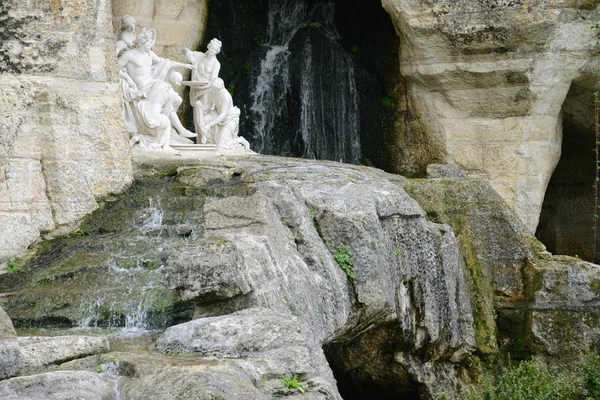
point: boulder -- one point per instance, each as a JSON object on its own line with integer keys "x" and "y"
{"x": 7, "y": 329}
{"x": 10, "y": 358}
{"x": 39, "y": 352}
{"x": 83, "y": 385}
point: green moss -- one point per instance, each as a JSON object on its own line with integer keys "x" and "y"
{"x": 168, "y": 172}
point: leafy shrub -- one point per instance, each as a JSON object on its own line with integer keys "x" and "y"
{"x": 532, "y": 380}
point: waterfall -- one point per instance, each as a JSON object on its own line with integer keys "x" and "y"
{"x": 273, "y": 83}
{"x": 322, "y": 122}
{"x": 155, "y": 211}
{"x": 127, "y": 307}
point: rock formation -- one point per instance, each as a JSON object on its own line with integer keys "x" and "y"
{"x": 299, "y": 268}
{"x": 61, "y": 145}
{"x": 488, "y": 80}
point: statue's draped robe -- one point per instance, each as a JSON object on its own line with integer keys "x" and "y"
{"x": 149, "y": 131}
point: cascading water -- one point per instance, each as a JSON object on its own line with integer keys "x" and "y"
{"x": 318, "y": 116}
{"x": 129, "y": 310}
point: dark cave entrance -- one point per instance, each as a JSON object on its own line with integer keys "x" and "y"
{"x": 307, "y": 109}
{"x": 365, "y": 367}
{"x": 567, "y": 216}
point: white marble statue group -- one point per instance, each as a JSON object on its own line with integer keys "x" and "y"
{"x": 150, "y": 104}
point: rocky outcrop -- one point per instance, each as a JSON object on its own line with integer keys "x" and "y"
{"x": 58, "y": 385}
{"x": 308, "y": 269}
{"x": 7, "y": 330}
{"x": 39, "y": 352}
{"x": 62, "y": 143}
{"x": 488, "y": 80}
{"x": 29, "y": 355}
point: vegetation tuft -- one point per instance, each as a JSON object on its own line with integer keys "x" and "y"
{"x": 294, "y": 383}
{"x": 342, "y": 257}
{"x": 532, "y": 380}
{"x": 14, "y": 266}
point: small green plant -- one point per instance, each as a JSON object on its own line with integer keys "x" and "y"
{"x": 286, "y": 223}
{"x": 247, "y": 66}
{"x": 231, "y": 89}
{"x": 294, "y": 383}
{"x": 387, "y": 102}
{"x": 373, "y": 243}
{"x": 100, "y": 369}
{"x": 14, "y": 266}
{"x": 342, "y": 257}
{"x": 398, "y": 252}
{"x": 312, "y": 214}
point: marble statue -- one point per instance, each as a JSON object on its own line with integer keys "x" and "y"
{"x": 220, "y": 125}
{"x": 126, "y": 36}
{"x": 150, "y": 103}
{"x": 206, "y": 68}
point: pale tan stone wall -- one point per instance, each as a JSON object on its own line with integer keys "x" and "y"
{"x": 62, "y": 142}
{"x": 489, "y": 79}
{"x": 178, "y": 23}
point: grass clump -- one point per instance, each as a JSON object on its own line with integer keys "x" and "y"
{"x": 14, "y": 266}
{"x": 342, "y": 257}
{"x": 294, "y": 383}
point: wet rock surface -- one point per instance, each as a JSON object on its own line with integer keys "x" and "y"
{"x": 307, "y": 269}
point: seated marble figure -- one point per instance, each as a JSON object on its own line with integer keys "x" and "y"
{"x": 220, "y": 125}
{"x": 150, "y": 103}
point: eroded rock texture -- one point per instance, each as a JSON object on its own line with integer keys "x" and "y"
{"x": 488, "y": 80}
{"x": 62, "y": 142}
{"x": 440, "y": 278}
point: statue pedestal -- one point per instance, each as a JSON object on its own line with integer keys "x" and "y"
{"x": 184, "y": 148}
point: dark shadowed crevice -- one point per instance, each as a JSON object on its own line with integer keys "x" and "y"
{"x": 365, "y": 367}
{"x": 567, "y": 215}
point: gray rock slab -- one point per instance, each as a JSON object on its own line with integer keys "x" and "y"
{"x": 6, "y": 326}
{"x": 82, "y": 385}
{"x": 38, "y": 352}
{"x": 10, "y": 357}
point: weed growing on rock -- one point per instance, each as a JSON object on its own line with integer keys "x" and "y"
{"x": 14, "y": 265}
{"x": 294, "y": 383}
{"x": 342, "y": 256}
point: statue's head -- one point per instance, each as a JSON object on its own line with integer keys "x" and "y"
{"x": 175, "y": 78}
{"x": 217, "y": 84}
{"x": 127, "y": 22}
{"x": 214, "y": 46}
{"x": 145, "y": 39}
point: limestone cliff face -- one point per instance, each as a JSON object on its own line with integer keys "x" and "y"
{"x": 488, "y": 80}
{"x": 62, "y": 143}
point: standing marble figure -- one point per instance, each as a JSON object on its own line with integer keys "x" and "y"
{"x": 206, "y": 69}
